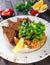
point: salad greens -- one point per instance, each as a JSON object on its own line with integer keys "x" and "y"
{"x": 24, "y": 6}
{"x": 31, "y": 30}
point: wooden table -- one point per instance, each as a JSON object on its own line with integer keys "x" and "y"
{"x": 10, "y": 4}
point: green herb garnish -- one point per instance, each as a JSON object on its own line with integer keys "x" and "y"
{"x": 31, "y": 30}
{"x": 24, "y": 7}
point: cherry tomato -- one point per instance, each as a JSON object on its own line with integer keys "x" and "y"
{"x": 7, "y": 12}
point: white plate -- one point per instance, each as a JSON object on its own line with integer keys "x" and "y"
{"x": 6, "y": 48}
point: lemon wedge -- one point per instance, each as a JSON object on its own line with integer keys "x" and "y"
{"x": 16, "y": 40}
{"x": 38, "y": 4}
{"x": 19, "y": 46}
{"x": 43, "y": 7}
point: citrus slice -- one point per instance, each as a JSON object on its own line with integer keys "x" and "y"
{"x": 37, "y": 5}
{"x": 43, "y": 7}
{"x": 19, "y": 46}
{"x": 16, "y": 40}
